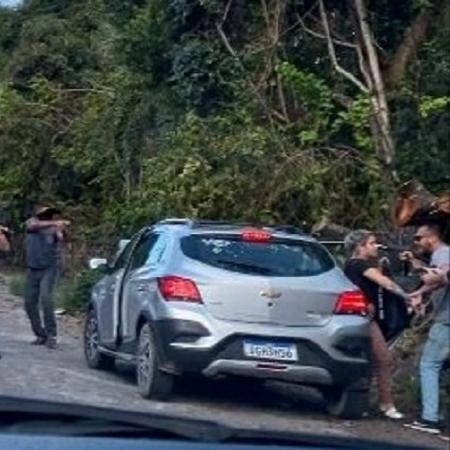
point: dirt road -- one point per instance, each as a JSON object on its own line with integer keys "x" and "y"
{"x": 36, "y": 372}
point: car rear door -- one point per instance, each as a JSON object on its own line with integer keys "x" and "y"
{"x": 139, "y": 286}
{"x": 109, "y": 297}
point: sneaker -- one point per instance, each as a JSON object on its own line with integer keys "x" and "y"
{"x": 51, "y": 343}
{"x": 426, "y": 426}
{"x": 40, "y": 340}
{"x": 392, "y": 413}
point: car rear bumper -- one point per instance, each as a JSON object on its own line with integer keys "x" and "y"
{"x": 262, "y": 369}
{"x": 183, "y": 349}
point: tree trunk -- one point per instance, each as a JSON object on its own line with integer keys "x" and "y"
{"x": 382, "y": 127}
{"x": 414, "y": 36}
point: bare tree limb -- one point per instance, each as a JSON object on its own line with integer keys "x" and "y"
{"x": 379, "y": 101}
{"x": 226, "y": 12}
{"x": 228, "y": 46}
{"x": 323, "y": 36}
{"x": 363, "y": 67}
{"x": 332, "y": 51}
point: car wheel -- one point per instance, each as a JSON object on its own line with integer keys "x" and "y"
{"x": 151, "y": 381}
{"x": 346, "y": 403}
{"x": 94, "y": 358}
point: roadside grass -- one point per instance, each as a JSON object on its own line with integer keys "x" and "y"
{"x": 16, "y": 284}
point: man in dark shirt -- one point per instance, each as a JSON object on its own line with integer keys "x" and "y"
{"x": 43, "y": 238}
{"x": 364, "y": 271}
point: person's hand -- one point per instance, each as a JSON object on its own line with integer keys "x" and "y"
{"x": 415, "y": 299}
{"x": 433, "y": 275}
{"x": 406, "y": 256}
{"x": 62, "y": 224}
{"x": 416, "y": 303}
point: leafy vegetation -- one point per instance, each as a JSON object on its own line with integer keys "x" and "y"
{"x": 268, "y": 110}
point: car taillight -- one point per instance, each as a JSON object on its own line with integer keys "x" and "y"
{"x": 352, "y": 302}
{"x": 177, "y": 289}
{"x": 255, "y": 235}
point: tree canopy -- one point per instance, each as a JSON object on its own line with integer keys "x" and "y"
{"x": 293, "y": 111}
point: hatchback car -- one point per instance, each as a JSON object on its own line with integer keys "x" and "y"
{"x": 229, "y": 299}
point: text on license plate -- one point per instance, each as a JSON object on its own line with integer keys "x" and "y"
{"x": 270, "y": 350}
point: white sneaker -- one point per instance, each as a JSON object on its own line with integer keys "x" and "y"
{"x": 392, "y": 413}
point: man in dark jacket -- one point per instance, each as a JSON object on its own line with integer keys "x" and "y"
{"x": 44, "y": 236}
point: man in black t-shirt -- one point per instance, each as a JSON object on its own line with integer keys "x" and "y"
{"x": 364, "y": 271}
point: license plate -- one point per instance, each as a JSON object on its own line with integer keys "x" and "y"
{"x": 270, "y": 350}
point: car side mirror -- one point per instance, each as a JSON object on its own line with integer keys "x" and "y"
{"x": 99, "y": 263}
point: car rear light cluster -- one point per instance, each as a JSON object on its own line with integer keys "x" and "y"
{"x": 255, "y": 235}
{"x": 178, "y": 289}
{"x": 352, "y": 303}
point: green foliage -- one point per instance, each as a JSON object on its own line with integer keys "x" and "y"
{"x": 230, "y": 167}
{"x": 432, "y": 105}
{"x": 74, "y": 294}
{"x": 146, "y": 41}
{"x": 16, "y": 285}
{"x": 125, "y": 112}
{"x": 358, "y": 117}
{"x": 315, "y": 97}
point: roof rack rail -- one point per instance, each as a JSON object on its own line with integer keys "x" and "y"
{"x": 198, "y": 223}
{"x": 176, "y": 221}
{"x": 219, "y": 223}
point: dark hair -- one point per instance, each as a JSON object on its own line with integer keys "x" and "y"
{"x": 435, "y": 229}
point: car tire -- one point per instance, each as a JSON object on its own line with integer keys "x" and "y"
{"x": 94, "y": 358}
{"x": 151, "y": 381}
{"x": 346, "y": 403}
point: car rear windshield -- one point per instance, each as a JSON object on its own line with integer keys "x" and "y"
{"x": 277, "y": 258}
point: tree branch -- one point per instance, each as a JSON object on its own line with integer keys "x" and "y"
{"x": 380, "y": 107}
{"x": 332, "y": 52}
{"x": 258, "y": 95}
{"x": 414, "y": 36}
{"x": 316, "y": 34}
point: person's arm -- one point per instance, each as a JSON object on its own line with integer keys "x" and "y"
{"x": 385, "y": 282}
{"x": 408, "y": 256}
{"x": 34, "y": 224}
{"x": 433, "y": 278}
{"x": 436, "y": 277}
{"x": 4, "y": 243}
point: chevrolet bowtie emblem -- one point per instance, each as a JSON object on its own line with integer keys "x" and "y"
{"x": 270, "y": 293}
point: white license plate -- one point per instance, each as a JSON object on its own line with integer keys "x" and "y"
{"x": 270, "y": 350}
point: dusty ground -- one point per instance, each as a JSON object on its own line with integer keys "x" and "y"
{"x": 36, "y": 372}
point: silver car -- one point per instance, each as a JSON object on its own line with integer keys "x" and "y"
{"x": 229, "y": 299}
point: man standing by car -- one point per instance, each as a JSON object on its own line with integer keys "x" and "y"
{"x": 364, "y": 271}
{"x": 44, "y": 236}
{"x": 437, "y": 347}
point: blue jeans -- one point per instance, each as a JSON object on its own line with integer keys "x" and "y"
{"x": 435, "y": 352}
